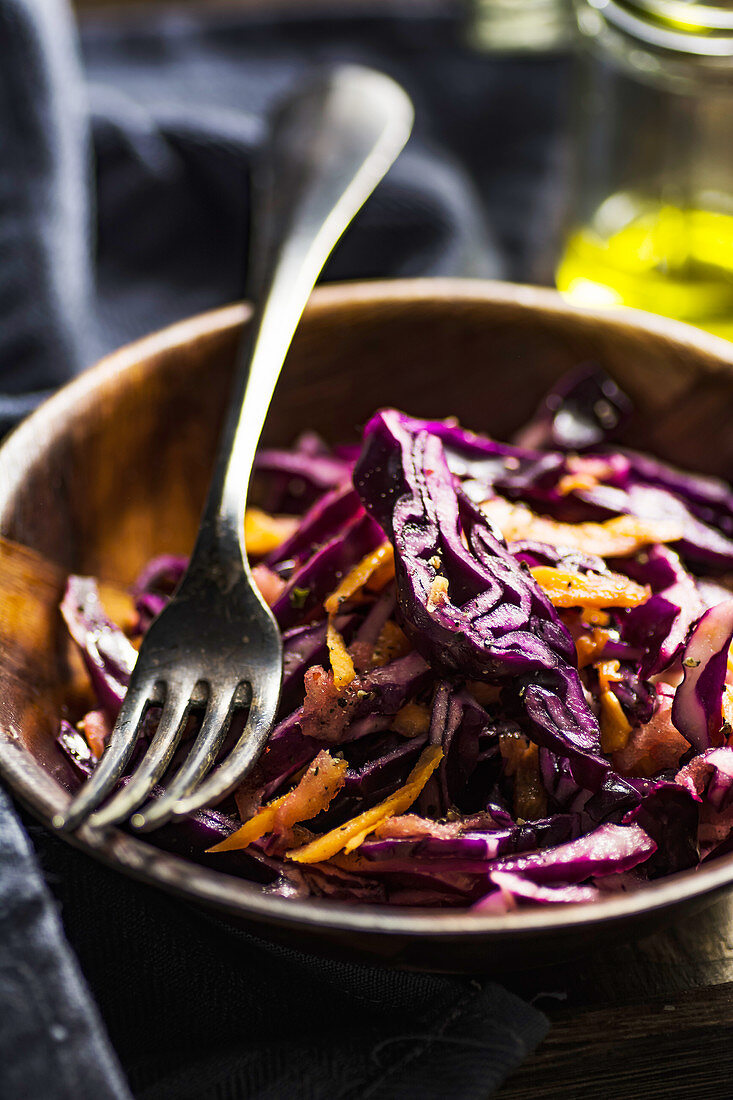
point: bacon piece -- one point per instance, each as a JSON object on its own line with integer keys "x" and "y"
{"x": 412, "y": 825}
{"x": 270, "y": 585}
{"x": 652, "y": 747}
{"x": 326, "y": 710}
{"x": 715, "y": 826}
{"x": 96, "y": 727}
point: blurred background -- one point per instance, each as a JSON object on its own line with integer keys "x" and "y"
{"x": 582, "y": 143}
{"x": 637, "y": 204}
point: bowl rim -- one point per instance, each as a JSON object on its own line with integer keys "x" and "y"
{"x": 224, "y": 891}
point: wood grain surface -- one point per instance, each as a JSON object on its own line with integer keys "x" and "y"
{"x": 639, "y": 1021}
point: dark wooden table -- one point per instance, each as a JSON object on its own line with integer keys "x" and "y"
{"x": 650, "y": 1020}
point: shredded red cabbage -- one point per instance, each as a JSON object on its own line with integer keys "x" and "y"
{"x": 507, "y": 749}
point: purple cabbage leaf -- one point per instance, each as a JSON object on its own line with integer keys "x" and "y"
{"x": 489, "y": 620}
{"x": 697, "y": 711}
{"x": 585, "y": 408}
{"x": 107, "y": 653}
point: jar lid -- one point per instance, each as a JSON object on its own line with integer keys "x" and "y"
{"x": 702, "y": 27}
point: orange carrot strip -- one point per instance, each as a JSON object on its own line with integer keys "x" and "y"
{"x": 412, "y": 719}
{"x": 391, "y": 644}
{"x": 615, "y": 727}
{"x": 571, "y": 483}
{"x": 617, "y": 537}
{"x": 568, "y": 589}
{"x": 96, "y": 727}
{"x": 313, "y": 793}
{"x": 485, "y": 694}
{"x": 262, "y": 822}
{"x": 594, "y": 616}
{"x": 381, "y": 576}
{"x": 589, "y": 647}
{"x": 322, "y": 781}
{"x": 341, "y": 662}
{"x": 263, "y": 532}
{"x": 522, "y": 762}
{"x": 359, "y": 576}
{"x": 608, "y": 672}
{"x": 349, "y": 835}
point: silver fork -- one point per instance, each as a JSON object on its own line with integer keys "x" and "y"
{"x": 216, "y": 645}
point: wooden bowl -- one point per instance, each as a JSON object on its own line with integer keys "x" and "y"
{"x": 113, "y": 470}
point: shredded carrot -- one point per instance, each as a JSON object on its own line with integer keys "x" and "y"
{"x": 615, "y": 726}
{"x": 323, "y": 779}
{"x": 263, "y": 532}
{"x": 522, "y": 762}
{"x": 349, "y": 835}
{"x": 587, "y": 650}
{"x": 341, "y": 662}
{"x": 608, "y": 672}
{"x": 381, "y": 576}
{"x": 438, "y": 593}
{"x": 594, "y": 616}
{"x": 485, "y": 694}
{"x": 391, "y": 644}
{"x": 262, "y": 822}
{"x": 572, "y": 483}
{"x": 412, "y": 719}
{"x": 96, "y": 727}
{"x": 360, "y": 575}
{"x": 617, "y": 537}
{"x": 568, "y": 589}
{"x": 374, "y": 570}
{"x": 589, "y": 647}
{"x": 313, "y": 793}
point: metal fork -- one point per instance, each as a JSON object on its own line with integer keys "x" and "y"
{"x": 216, "y": 646}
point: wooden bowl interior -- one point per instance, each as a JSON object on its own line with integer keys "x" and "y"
{"x": 123, "y": 475}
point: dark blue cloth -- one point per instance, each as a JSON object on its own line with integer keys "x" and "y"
{"x": 124, "y": 184}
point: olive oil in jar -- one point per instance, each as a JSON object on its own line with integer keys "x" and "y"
{"x": 661, "y": 258}
{"x": 651, "y": 221}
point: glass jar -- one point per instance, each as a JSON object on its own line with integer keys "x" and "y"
{"x": 520, "y": 26}
{"x": 652, "y": 212}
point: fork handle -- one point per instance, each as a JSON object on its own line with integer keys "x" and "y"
{"x": 329, "y": 147}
